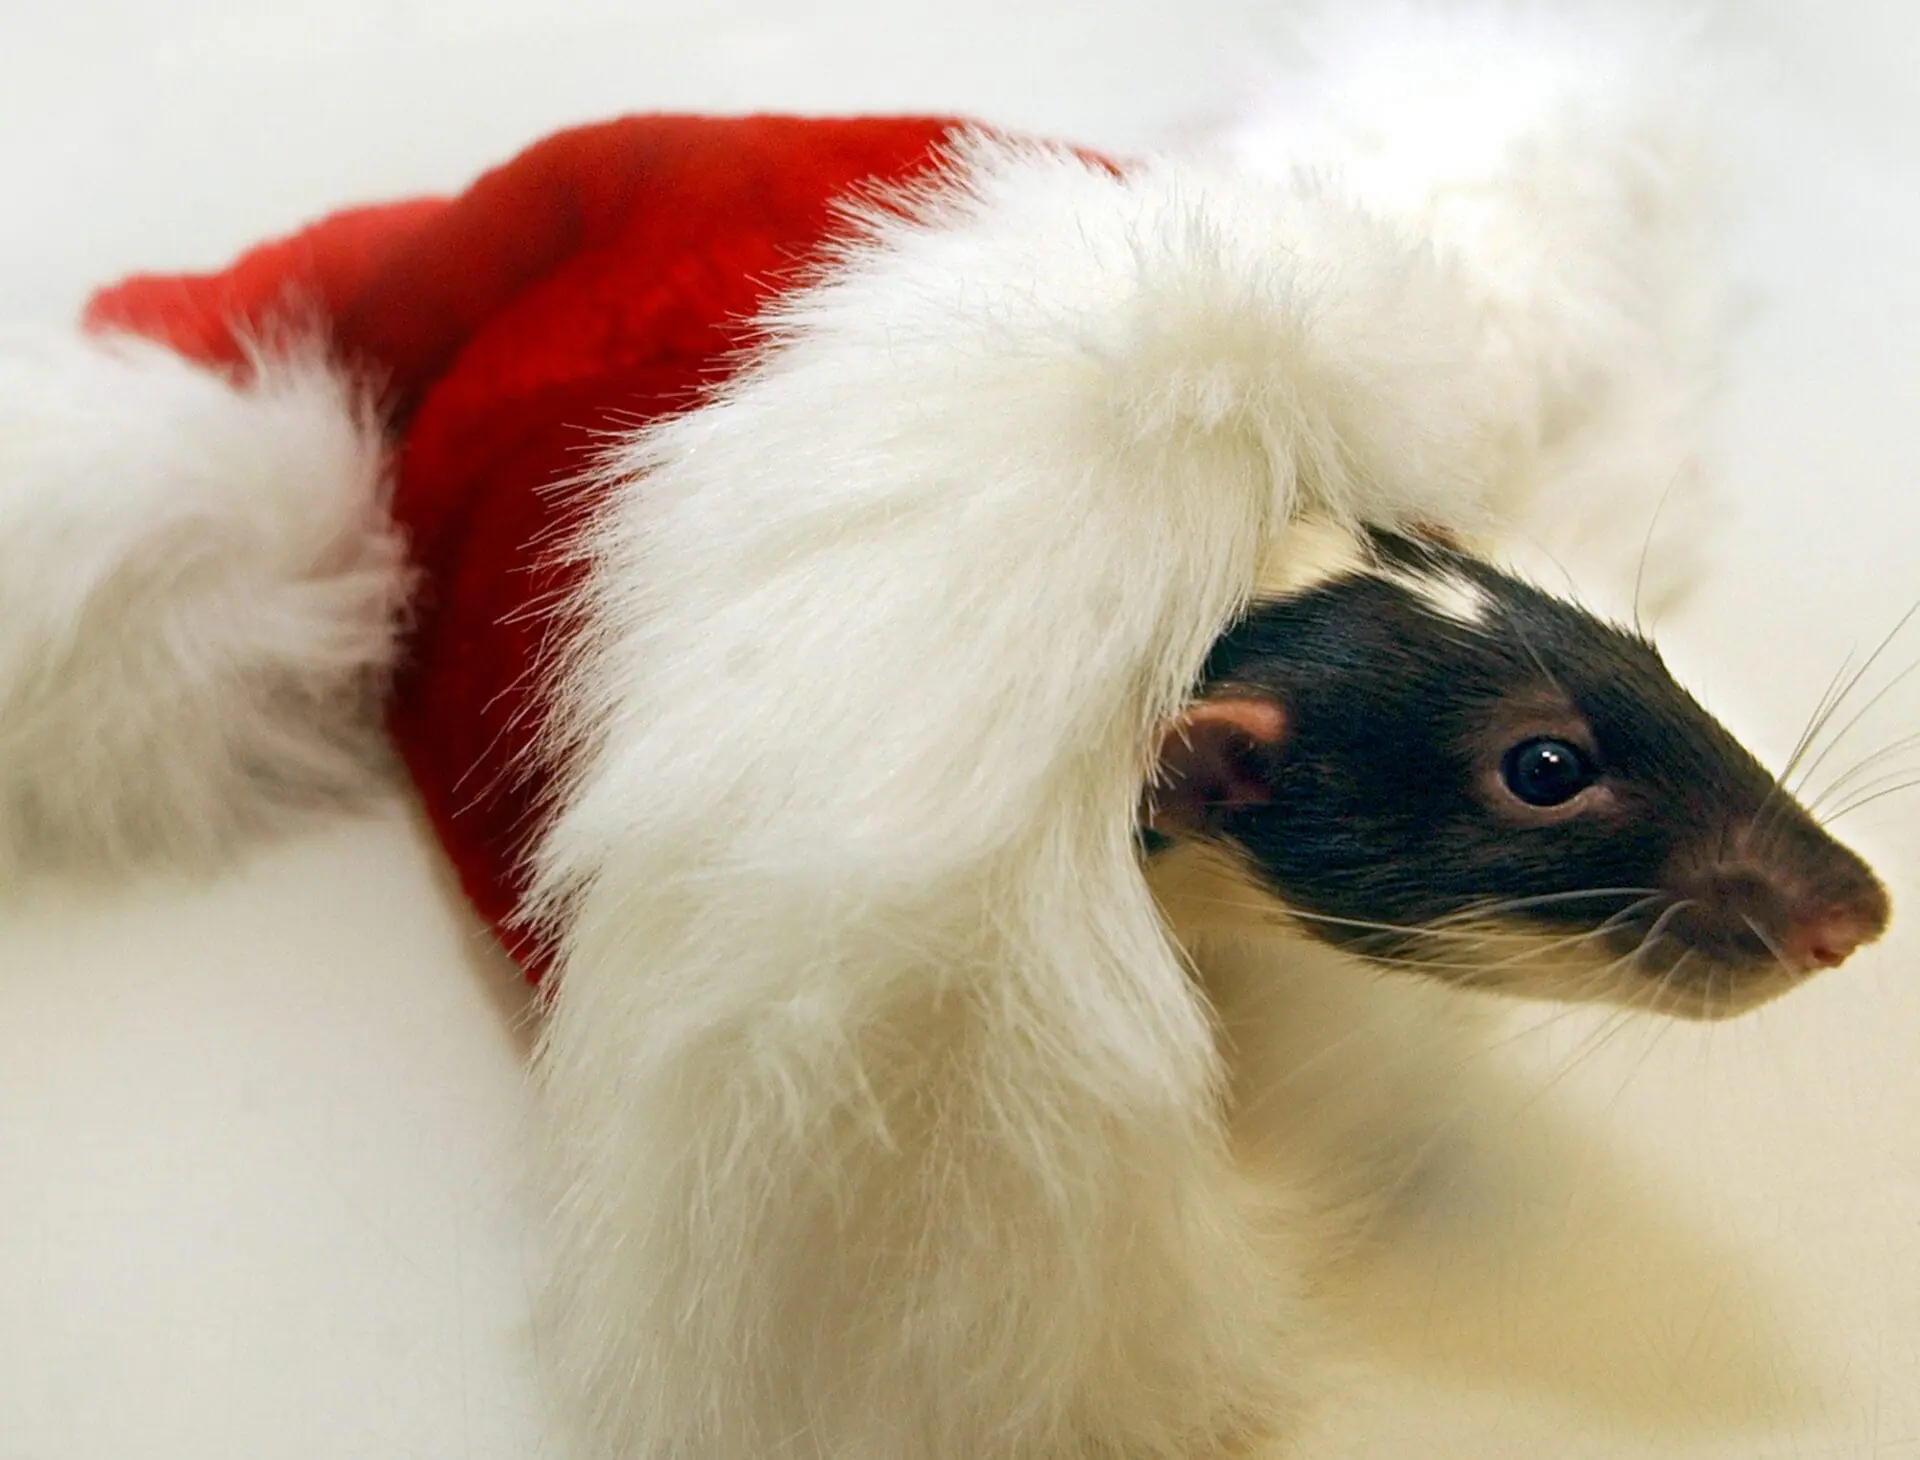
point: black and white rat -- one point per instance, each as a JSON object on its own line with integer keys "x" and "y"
{"x": 1432, "y": 764}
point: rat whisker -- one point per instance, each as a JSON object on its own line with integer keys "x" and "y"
{"x": 1590, "y": 980}
{"x": 1880, "y": 694}
{"x": 1853, "y": 720}
{"x": 1633, "y": 957}
{"x": 1533, "y": 948}
{"x": 1859, "y": 802}
{"x": 1768, "y": 941}
{"x": 1831, "y": 703}
{"x": 1410, "y": 930}
{"x": 1479, "y": 972}
{"x": 1655, "y": 1000}
{"x": 1467, "y": 936}
{"x": 1668, "y": 979}
{"x": 1597, "y": 1039}
{"x": 1869, "y": 761}
{"x": 1280, "y": 916}
{"x": 1666, "y": 917}
{"x": 1830, "y": 699}
{"x": 1873, "y": 761}
{"x": 1458, "y": 962}
{"x": 1866, "y": 786}
{"x": 1571, "y": 588}
{"x": 1646, "y": 547}
{"x": 1506, "y": 906}
{"x": 1447, "y": 926}
{"x": 1836, "y": 691}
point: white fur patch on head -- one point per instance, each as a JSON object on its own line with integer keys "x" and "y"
{"x": 1446, "y": 594}
{"x": 1315, "y": 550}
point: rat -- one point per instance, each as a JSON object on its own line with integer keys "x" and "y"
{"x": 1434, "y": 765}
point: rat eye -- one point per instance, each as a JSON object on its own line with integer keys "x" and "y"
{"x": 1546, "y": 772}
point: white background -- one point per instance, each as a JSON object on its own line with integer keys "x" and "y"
{"x": 260, "y": 1137}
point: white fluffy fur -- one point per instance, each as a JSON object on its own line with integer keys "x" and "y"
{"x": 1557, "y": 162}
{"x": 890, "y": 1123}
{"x": 199, "y": 589}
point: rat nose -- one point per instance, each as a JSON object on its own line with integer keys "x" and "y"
{"x": 1806, "y": 903}
{"x": 1825, "y": 936}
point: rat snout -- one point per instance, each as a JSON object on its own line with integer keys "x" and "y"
{"x": 1781, "y": 894}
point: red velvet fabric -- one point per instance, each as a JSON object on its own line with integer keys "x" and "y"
{"x": 603, "y": 278}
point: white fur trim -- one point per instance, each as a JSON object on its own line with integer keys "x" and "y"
{"x": 1559, "y": 161}
{"x": 886, "y": 1113}
{"x": 198, "y": 596}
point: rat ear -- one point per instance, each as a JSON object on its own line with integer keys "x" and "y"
{"x": 1211, "y": 761}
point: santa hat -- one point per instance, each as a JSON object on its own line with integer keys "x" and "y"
{"x": 776, "y": 544}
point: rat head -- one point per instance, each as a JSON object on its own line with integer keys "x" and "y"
{"x": 1437, "y": 766}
